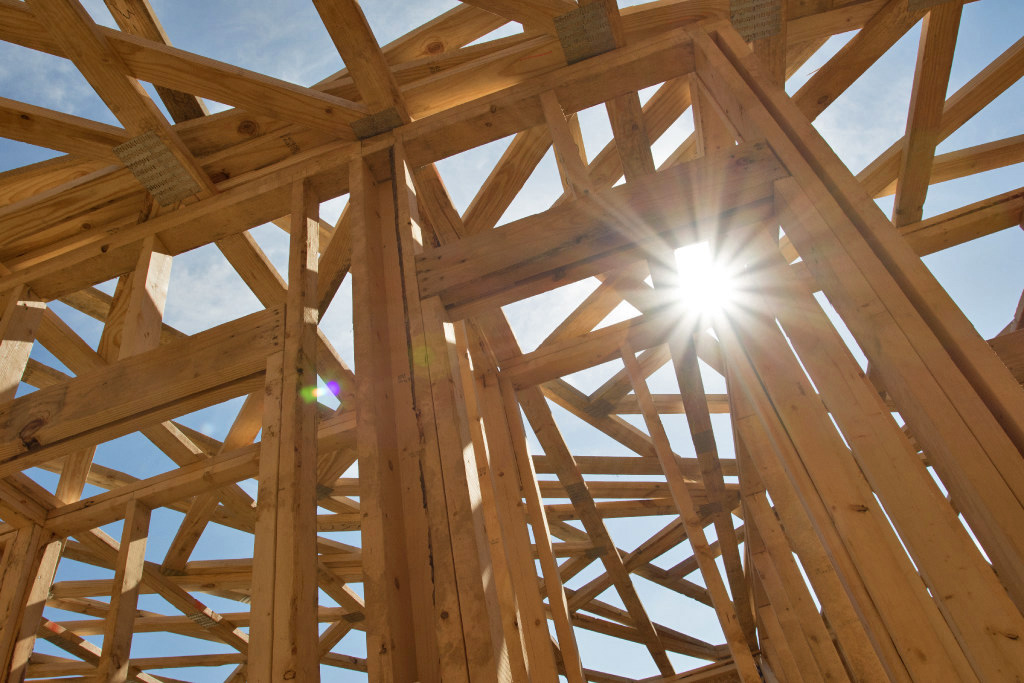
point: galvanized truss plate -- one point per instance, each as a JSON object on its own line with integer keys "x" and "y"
{"x": 756, "y": 19}
{"x": 154, "y": 165}
{"x": 202, "y": 619}
{"x": 375, "y": 124}
{"x": 584, "y": 33}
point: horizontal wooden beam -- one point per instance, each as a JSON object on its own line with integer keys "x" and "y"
{"x": 582, "y": 238}
{"x": 671, "y": 404}
{"x": 184, "y": 626}
{"x": 214, "y": 577}
{"x": 176, "y": 378}
{"x": 157, "y": 491}
{"x": 959, "y": 108}
{"x": 563, "y": 358}
{"x": 578, "y": 87}
{"x": 183, "y": 482}
{"x": 609, "y": 464}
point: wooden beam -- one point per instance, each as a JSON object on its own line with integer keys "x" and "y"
{"x": 505, "y": 434}
{"x": 506, "y": 179}
{"x": 62, "y": 132}
{"x": 243, "y": 431}
{"x": 201, "y": 370}
{"x": 138, "y": 18}
{"x": 534, "y": 15}
{"x": 20, "y": 318}
{"x": 71, "y": 642}
{"x": 866, "y": 644}
{"x": 971, "y": 160}
{"x": 158, "y": 491}
{"x": 857, "y": 516}
{"x": 428, "y": 140}
{"x": 538, "y": 412}
{"x": 879, "y": 34}
{"x": 176, "y": 69}
{"x": 17, "y": 569}
{"x": 449, "y": 31}
{"x": 931, "y": 78}
{"x": 419, "y": 501}
{"x": 971, "y": 98}
{"x": 900, "y": 481}
{"x": 576, "y": 402}
{"x": 937, "y": 330}
{"x": 81, "y": 39}
{"x": 100, "y": 543}
{"x": 363, "y": 58}
{"x": 567, "y": 140}
{"x": 169, "y": 438}
{"x": 698, "y": 417}
{"x": 724, "y": 607}
{"x": 578, "y": 239}
{"x": 594, "y": 348}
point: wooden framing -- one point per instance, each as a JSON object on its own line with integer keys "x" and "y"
{"x": 837, "y": 522}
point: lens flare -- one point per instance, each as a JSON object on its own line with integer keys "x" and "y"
{"x": 311, "y": 394}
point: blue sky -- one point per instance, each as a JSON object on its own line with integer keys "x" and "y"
{"x": 284, "y": 38}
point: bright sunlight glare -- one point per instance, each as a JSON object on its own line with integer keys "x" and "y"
{"x": 706, "y": 286}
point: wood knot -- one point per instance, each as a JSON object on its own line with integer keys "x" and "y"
{"x": 249, "y": 128}
{"x": 28, "y": 432}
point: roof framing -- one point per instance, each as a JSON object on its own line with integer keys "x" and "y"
{"x": 844, "y": 521}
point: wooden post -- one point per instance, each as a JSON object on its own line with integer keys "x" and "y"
{"x": 17, "y": 575}
{"x": 284, "y": 630}
{"x": 117, "y": 632}
{"x": 430, "y": 615}
{"x": 512, "y": 519}
{"x": 19, "y": 602}
{"x": 18, "y": 324}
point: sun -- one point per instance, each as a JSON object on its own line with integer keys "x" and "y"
{"x": 706, "y": 286}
